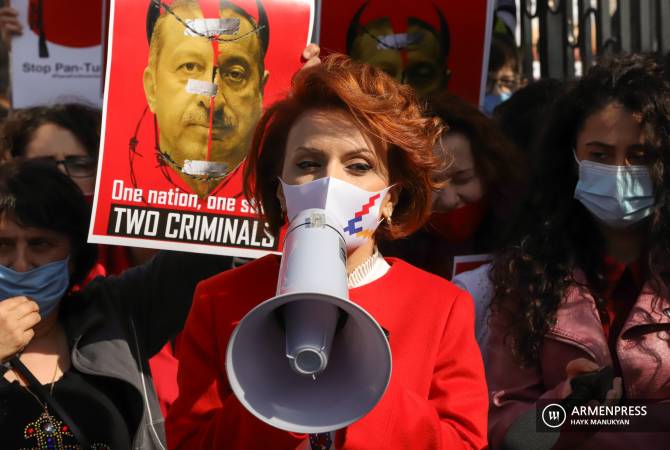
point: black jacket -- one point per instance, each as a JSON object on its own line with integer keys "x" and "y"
{"x": 116, "y": 324}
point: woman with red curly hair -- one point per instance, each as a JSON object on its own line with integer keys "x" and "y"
{"x": 354, "y": 124}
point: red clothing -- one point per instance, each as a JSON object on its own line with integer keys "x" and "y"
{"x": 436, "y": 398}
{"x": 164, "y": 366}
{"x": 623, "y": 285}
{"x": 112, "y": 260}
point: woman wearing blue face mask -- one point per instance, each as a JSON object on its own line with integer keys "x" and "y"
{"x": 74, "y": 366}
{"x": 581, "y": 310}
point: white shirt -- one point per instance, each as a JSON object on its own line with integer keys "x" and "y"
{"x": 478, "y": 284}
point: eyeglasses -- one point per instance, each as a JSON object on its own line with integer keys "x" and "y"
{"x": 511, "y": 83}
{"x": 75, "y": 166}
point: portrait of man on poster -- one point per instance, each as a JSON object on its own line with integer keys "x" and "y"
{"x": 204, "y": 83}
{"x": 408, "y": 40}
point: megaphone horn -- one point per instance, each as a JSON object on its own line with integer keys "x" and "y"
{"x": 309, "y": 360}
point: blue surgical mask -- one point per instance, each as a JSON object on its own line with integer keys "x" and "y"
{"x": 45, "y": 284}
{"x": 493, "y": 100}
{"x": 619, "y": 196}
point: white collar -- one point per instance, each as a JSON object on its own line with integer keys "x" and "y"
{"x": 370, "y": 270}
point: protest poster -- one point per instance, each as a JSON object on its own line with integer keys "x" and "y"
{"x": 58, "y": 58}
{"x": 431, "y": 45}
{"x": 186, "y": 84}
{"x": 465, "y": 263}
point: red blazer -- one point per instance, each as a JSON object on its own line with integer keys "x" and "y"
{"x": 437, "y": 397}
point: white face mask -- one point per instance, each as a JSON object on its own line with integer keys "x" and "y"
{"x": 617, "y": 195}
{"x": 354, "y": 209}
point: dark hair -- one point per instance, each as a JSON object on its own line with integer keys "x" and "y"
{"x": 522, "y": 116}
{"x": 81, "y": 120}
{"x": 500, "y": 165}
{"x": 555, "y": 235}
{"x": 381, "y": 107}
{"x": 35, "y": 194}
{"x": 503, "y": 51}
{"x": 664, "y": 60}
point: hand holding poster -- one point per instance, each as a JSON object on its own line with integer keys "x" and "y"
{"x": 187, "y": 81}
{"x": 59, "y": 55}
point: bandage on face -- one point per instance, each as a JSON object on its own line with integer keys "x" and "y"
{"x": 216, "y": 30}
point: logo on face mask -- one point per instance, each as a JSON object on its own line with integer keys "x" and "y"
{"x": 354, "y": 209}
{"x": 351, "y": 227}
{"x": 619, "y": 196}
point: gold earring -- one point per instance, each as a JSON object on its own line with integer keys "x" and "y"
{"x": 388, "y": 220}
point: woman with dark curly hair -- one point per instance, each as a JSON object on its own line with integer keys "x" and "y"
{"x": 581, "y": 311}
{"x": 356, "y": 128}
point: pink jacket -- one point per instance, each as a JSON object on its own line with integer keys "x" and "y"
{"x": 643, "y": 349}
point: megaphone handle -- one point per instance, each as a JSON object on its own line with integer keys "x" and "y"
{"x": 320, "y": 441}
{"x": 387, "y": 333}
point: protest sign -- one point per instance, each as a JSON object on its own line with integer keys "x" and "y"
{"x": 465, "y": 263}
{"x": 186, "y": 84}
{"x": 58, "y": 58}
{"x": 431, "y": 45}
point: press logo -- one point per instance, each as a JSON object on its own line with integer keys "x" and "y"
{"x": 553, "y": 415}
{"x": 633, "y": 415}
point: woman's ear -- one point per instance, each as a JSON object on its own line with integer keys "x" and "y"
{"x": 389, "y": 202}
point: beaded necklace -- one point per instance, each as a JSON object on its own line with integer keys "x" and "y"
{"x": 46, "y": 429}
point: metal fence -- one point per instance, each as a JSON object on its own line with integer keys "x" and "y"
{"x": 560, "y": 37}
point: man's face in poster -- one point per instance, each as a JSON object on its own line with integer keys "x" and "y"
{"x": 183, "y": 117}
{"x": 423, "y": 65}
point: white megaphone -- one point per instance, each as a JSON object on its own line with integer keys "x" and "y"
{"x": 309, "y": 360}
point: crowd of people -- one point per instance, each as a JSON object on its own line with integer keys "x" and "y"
{"x": 562, "y": 189}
